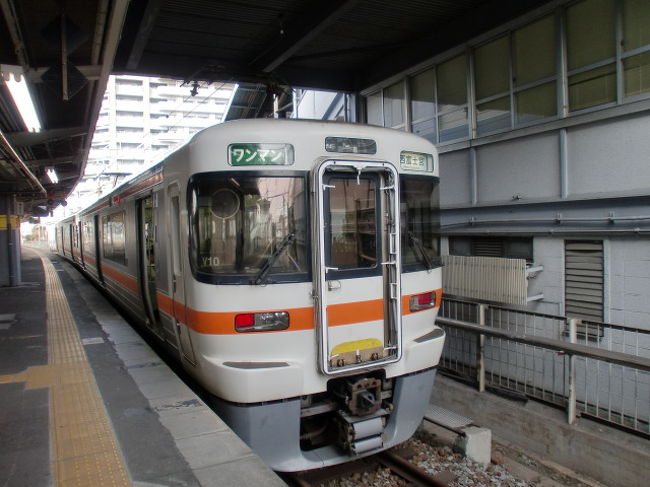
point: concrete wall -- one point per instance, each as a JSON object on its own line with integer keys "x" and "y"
{"x": 615, "y": 458}
{"x": 629, "y": 282}
{"x": 605, "y": 169}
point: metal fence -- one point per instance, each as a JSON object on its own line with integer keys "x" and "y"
{"x": 600, "y": 370}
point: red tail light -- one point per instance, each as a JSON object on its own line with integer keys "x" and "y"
{"x": 243, "y": 321}
{"x": 422, "y": 301}
{"x": 273, "y": 321}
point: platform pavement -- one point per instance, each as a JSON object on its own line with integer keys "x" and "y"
{"x": 164, "y": 432}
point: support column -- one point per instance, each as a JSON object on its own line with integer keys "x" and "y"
{"x": 9, "y": 242}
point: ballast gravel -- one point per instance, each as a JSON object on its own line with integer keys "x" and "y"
{"x": 435, "y": 460}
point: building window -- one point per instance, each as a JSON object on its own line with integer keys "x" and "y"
{"x": 505, "y": 247}
{"x": 534, "y": 71}
{"x": 591, "y": 50}
{"x": 636, "y": 47}
{"x": 374, "y": 109}
{"x": 394, "y": 106}
{"x": 128, "y": 82}
{"x": 516, "y": 76}
{"x": 453, "y": 120}
{"x": 131, "y": 98}
{"x": 492, "y": 74}
{"x": 423, "y": 105}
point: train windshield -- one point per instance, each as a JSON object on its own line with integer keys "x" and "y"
{"x": 248, "y": 229}
{"x": 420, "y": 220}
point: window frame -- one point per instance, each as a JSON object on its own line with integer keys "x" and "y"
{"x": 559, "y": 81}
{"x": 419, "y": 266}
{"x": 357, "y": 272}
{"x": 239, "y": 279}
{"x": 107, "y": 234}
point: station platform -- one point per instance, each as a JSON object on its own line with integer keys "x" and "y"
{"x": 84, "y": 401}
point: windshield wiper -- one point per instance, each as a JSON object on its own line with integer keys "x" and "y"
{"x": 418, "y": 245}
{"x": 279, "y": 250}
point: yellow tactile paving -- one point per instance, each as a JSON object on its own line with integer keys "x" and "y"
{"x": 84, "y": 450}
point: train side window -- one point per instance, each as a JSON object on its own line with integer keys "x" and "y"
{"x": 113, "y": 235}
{"x": 420, "y": 222}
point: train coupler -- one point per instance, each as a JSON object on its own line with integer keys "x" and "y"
{"x": 359, "y": 435}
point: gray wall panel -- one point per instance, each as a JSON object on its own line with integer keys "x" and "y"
{"x": 617, "y": 152}
{"x": 455, "y": 177}
{"x": 548, "y": 252}
{"x": 527, "y": 167}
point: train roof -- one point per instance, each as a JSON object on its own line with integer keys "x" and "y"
{"x": 276, "y": 126}
{"x": 263, "y": 129}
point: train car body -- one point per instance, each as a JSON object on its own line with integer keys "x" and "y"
{"x": 293, "y": 266}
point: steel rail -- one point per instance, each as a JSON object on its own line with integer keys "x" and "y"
{"x": 405, "y": 469}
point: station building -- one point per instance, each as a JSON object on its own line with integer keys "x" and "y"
{"x": 543, "y": 126}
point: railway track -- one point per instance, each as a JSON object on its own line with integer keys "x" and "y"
{"x": 401, "y": 472}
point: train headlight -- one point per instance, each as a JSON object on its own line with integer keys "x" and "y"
{"x": 273, "y": 321}
{"x": 422, "y": 301}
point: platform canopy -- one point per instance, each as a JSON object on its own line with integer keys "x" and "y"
{"x": 67, "y": 48}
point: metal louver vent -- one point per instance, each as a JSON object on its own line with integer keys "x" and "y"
{"x": 487, "y": 247}
{"x": 584, "y": 279}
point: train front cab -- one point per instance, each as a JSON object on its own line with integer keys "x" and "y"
{"x": 377, "y": 345}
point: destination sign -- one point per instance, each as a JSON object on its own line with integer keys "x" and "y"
{"x": 260, "y": 154}
{"x": 416, "y": 161}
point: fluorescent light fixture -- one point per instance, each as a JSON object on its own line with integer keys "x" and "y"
{"x": 51, "y": 173}
{"x": 15, "y": 81}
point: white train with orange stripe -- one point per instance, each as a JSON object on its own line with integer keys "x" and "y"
{"x": 294, "y": 268}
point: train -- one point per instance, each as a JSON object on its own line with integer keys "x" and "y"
{"x": 293, "y": 269}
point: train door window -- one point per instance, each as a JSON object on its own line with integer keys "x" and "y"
{"x": 352, "y": 224}
{"x": 96, "y": 239}
{"x": 175, "y": 234}
{"x": 147, "y": 259}
{"x": 113, "y": 233}
{"x": 87, "y": 235}
{"x": 82, "y": 248}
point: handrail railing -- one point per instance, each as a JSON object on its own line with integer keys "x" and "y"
{"x": 624, "y": 359}
{"x": 606, "y": 375}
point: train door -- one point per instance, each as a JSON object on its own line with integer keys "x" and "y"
{"x": 71, "y": 235}
{"x": 98, "y": 250}
{"x": 147, "y": 262}
{"x": 177, "y": 284}
{"x": 81, "y": 244}
{"x": 357, "y": 265}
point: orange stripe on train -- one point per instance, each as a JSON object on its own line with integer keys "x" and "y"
{"x": 223, "y": 323}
